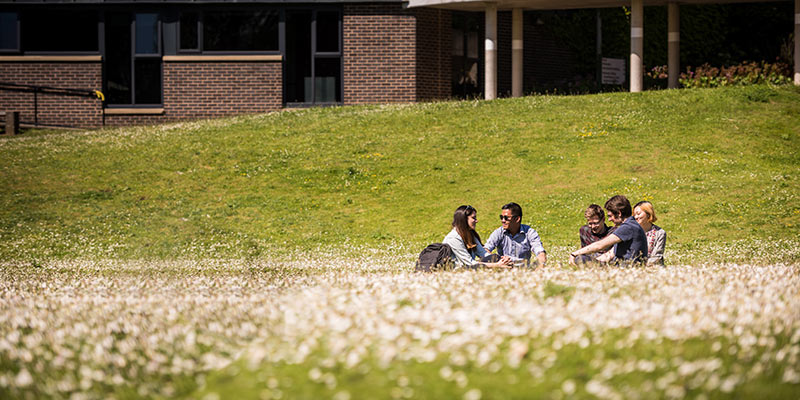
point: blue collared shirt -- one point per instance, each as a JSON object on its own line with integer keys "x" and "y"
{"x": 519, "y": 246}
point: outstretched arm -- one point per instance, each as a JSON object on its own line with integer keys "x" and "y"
{"x": 601, "y": 244}
{"x": 504, "y": 263}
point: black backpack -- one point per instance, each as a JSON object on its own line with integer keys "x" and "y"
{"x": 437, "y": 256}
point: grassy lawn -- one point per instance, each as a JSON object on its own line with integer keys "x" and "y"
{"x": 269, "y": 256}
{"x": 645, "y": 369}
{"x": 719, "y": 165}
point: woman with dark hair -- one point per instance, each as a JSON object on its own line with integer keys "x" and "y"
{"x": 466, "y": 243}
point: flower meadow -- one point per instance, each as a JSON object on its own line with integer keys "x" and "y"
{"x": 330, "y": 324}
{"x": 271, "y": 256}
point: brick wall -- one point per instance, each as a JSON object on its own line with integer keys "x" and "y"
{"x": 379, "y": 54}
{"x": 195, "y": 90}
{"x": 390, "y": 54}
{"x": 434, "y": 54}
{"x": 53, "y": 109}
{"x": 202, "y": 90}
{"x": 213, "y": 89}
{"x": 191, "y": 90}
{"x": 135, "y": 119}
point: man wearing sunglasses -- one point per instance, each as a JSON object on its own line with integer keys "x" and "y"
{"x": 514, "y": 239}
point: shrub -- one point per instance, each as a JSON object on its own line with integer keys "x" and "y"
{"x": 747, "y": 73}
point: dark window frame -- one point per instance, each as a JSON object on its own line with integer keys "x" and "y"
{"x": 148, "y": 56}
{"x": 159, "y": 23}
{"x": 201, "y": 15}
{"x": 315, "y": 54}
{"x": 198, "y": 27}
{"x": 18, "y": 30}
{"x": 100, "y": 13}
{"x": 136, "y": 56}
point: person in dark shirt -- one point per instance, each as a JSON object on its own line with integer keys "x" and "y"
{"x": 594, "y": 231}
{"x": 628, "y": 239}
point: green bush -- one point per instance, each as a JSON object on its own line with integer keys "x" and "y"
{"x": 746, "y": 73}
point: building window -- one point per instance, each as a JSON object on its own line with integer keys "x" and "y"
{"x": 313, "y": 69}
{"x": 189, "y": 31}
{"x": 147, "y": 37}
{"x": 249, "y": 30}
{"x": 133, "y": 59}
{"x": 55, "y": 31}
{"x": 9, "y": 32}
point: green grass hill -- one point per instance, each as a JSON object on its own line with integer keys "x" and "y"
{"x": 720, "y": 165}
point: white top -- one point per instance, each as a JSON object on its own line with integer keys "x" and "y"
{"x": 461, "y": 255}
{"x": 656, "y": 241}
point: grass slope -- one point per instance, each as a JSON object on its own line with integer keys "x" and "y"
{"x": 720, "y": 165}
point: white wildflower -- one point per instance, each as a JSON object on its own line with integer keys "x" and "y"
{"x": 568, "y": 387}
{"x": 473, "y": 394}
{"x": 23, "y": 378}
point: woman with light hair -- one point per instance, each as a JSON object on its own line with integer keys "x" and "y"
{"x": 645, "y": 215}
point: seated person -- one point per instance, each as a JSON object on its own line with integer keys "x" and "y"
{"x": 466, "y": 243}
{"x": 645, "y": 215}
{"x": 517, "y": 241}
{"x": 594, "y": 230}
{"x": 628, "y": 238}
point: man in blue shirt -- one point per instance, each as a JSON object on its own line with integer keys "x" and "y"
{"x": 628, "y": 239}
{"x": 515, "y": 240}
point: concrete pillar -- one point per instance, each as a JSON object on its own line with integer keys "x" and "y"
{"x": 490, "y": 53}
{"x": 674, "y": 44}
{"x": 797, "y": 42}
{"x": 516, "y": 52}
{"x": 637, "y": 45}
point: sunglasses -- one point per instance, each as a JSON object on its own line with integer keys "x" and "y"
{"x": 469, "y": 210}
{"x": 505, "y": 218}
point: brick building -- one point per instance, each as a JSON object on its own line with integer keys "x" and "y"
{"x": 158, "y": 61}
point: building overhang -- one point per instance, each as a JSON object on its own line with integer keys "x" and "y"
{"x": 186, "y": 2}
{"x": 480, "y": 5}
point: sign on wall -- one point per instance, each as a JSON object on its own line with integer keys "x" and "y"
{"x": 613, "y": 71}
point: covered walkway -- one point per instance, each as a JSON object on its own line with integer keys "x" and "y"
{"x": 490, "y": 7}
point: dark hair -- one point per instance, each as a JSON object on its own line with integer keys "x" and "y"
{"x": 594, "y": 211}
{"x": 468, "y": 235}
{"x": 516, "y": 210}
{"x": 619, "y": 205}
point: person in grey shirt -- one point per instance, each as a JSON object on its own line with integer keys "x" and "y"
{"x": 645, "y": 215}
{"x": 515, "y": 240}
